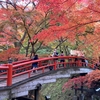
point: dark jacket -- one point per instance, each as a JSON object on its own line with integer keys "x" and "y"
{"x": 35, "y": 58}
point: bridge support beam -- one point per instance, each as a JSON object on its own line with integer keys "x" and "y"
{"x": 36, "y": 94}
{"x": 10, "y": 95}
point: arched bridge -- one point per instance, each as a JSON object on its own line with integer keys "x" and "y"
{"x": 18, "y": 78}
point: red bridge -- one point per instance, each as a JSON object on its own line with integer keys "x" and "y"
{"x": 20, "y": 68}
{"x": 17, "y": 79}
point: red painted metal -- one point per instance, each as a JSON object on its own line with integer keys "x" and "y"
{"x": 3, "y": 67}
{"x": 13, "y": 70}
{"x": 9, "y": 79}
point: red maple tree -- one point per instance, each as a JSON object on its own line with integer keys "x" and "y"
{"x": 11, "y": 53}
{"x": 36, "y": 22}
{"x": 91, "y": 80}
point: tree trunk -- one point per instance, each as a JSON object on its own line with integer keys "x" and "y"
{"x": 17, "y": 44}
{"x": 32, "y": 51}
{"x": 27, "y": 48}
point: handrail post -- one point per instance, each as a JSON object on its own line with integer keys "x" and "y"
{"x": 55, "y": 65}
{"x": 9, "y": 75}
{"x": 78, "y": 63}
{"x": 42, "y": 70}
{"x": 64, "y": 65}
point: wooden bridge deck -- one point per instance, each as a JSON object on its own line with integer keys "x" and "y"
{"x": 3, "y": 83}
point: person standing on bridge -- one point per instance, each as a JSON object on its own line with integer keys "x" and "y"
{"x": 62, "y": 60}
{"x": 50, "y": 62}
{"x": 10, "y": 60}
{"x": 86, "y": 62}
{"x": 55, "y": 53}
{"x": 35, "y": 65}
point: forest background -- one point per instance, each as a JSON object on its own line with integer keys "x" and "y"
{"x": 28, "y": 27}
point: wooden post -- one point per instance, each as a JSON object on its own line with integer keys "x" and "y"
{"x": 38, "y": 88}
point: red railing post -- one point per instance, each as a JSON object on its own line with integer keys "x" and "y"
{"x": 64, "y": 64}
{"x": 55, "y": 64}
{"x": 43, "y": 70}
{"x": 9, "y": 75}
{"x": 29, "y": 74}
{"x": 39, "y": 64}
{"x": 79, "y": 63}
{"x": 92, "y": 66}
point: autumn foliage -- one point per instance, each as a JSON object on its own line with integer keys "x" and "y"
{"x": 34, "y": 23}
{"x": 91, "y": 80}
{"x": 11, "y": 53}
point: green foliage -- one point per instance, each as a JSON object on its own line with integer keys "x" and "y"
{"x": 44, "y": 51}
{"x": 54, "y": 90}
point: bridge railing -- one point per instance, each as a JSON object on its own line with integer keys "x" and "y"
{"x": 25, "y": 67}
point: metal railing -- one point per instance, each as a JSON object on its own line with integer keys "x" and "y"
{"x": 9, "y": 71}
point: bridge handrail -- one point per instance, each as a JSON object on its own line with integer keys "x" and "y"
{"x": 16, "y": 62}
{"x": 11, "y": 68}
